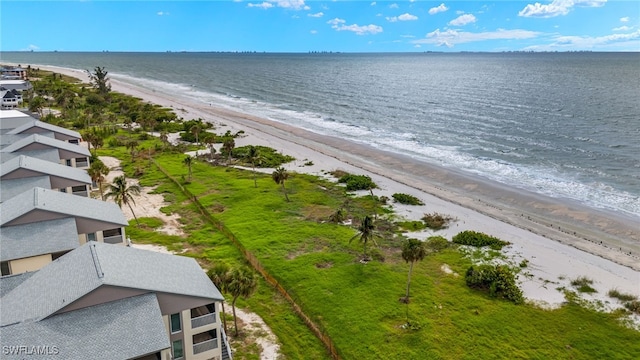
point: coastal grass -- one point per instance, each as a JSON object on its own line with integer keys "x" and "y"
{"x": 357, "y": 304}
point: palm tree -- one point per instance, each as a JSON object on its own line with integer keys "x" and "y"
{"x": 132, "y": 145}
{"x": 210, "y": 141}
{"x": 196, "y": 130}
{"x": 188, "y": 161}
{"x": 228, "y": 146}
{"x": 366, "y": 233}
{"x": 412, "y": 250}
{"x": 242, "y": 282}
{"x": 123, "y": 193}
{"x": 280, "y": 175}
{"x": 219, "y": 276}
{"x": 98, "y": 170}
{"x": 254, "y": 156}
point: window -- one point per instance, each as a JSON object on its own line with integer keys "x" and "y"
{"x": 177, "y": 349}
{"x": 74, "y": 141}
{"x": 5, "y": 268}
{"x": 68, "y": 162}
{"x": 175, "y": 324}
{"x": 91, "y": 237}
{"x": 203, "y": 310}
{"x": 112, "y": 232}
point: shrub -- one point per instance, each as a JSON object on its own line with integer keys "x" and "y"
{"x": 499, "y": 280}
{"x": 357, "y": 182}
{"x": 614, "y": 293}
{"x": 270, "y": 158}
{"x": 478, "y": 239}
{"x": 437, "y": 221}
{"x": 437, "y": 243}
{"x": 406, "y": 199}
{"x": 411, "y": 225}
{"x": 583, "y": 284}
{"x": 633, "y": 306}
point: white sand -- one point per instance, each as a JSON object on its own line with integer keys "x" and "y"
{"x": 555, "y": 256}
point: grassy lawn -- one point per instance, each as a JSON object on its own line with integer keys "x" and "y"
{"x": 357, "y": 304}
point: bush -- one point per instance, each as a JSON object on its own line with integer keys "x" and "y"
{"x": 411, "y": 225}
{"x": 633, "y": 306}
{"x": 437, "y": 221}
{"x": 357, "y": 182}
{"x": 499, "y": 280}
{"x": 406, "y": 199}
{"x": 437, "y": 243}
{"x": 478, "y": 239}
{"x": 614, "y": 293}
{"x": 583, "y": 284}
{"x": 270, "y": 158}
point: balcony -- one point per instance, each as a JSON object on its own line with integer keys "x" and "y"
{"x": 117, "y": 239}
{"x": 82, "y": 162}
{"x": 203, "y": 320}
{"x": 205, "y": 346}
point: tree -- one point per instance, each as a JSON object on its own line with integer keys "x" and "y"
{"x": 219, "y": 276}
{"x": 98, "y": 170}
{"x": 99, "y": 80}
{"x": 366, "y": 233}
{"x": 412, "y": 250}
{"x": 37, "y": 104}
{"x": 228, "y": 145}
{"x": 196, "y": 130}
{"x": 280, "y": 175}
{"x": 210, "y": 141}
{"x": 122, "y": 193}
{"x": 164, "y": 137}
{"x": 188, "y": 161}
{"x": 242, "y": 282}
{"x": 254, "y": 157}
{"x": 132, "y": 145}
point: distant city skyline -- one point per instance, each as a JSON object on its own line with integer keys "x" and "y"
{"x": 336, "y": 26}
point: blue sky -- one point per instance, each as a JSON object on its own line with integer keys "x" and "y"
{"x": 310, "y": 25}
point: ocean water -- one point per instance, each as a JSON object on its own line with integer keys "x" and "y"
{"x": 565, "y": 125}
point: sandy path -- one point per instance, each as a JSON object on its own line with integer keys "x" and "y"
{"x": 540, "y": 229}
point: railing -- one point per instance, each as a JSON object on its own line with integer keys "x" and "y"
{"x": 203, "y": 320}
{"x": 81, "y": 193}
{"x": 205, "y": 346}
{"x": 226, "y": 344}
{"x": 117, "y": 239}
{"x": 82, "y": 163}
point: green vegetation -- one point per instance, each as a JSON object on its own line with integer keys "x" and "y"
{"x": 583, "y": 284}
{"x": 406, "y": 199}
{"x": 498, "y": 280}
{"x": 268, "y": 157}
{"x": 478, "y": 239}
{"x": 357, "y": 182}
{"x": 437, "y": 221}
{"x": 614, "y": 293}
{"x": 356, "y": 305}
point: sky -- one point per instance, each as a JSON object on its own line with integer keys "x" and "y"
{"x": 313, "y": 25}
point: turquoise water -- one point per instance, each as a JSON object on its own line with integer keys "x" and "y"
{"x": 561, "y": 124}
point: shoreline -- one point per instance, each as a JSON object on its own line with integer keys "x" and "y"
{"x": 539, "y": 227}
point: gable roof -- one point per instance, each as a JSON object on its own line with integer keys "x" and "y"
{"x": 40, "y": 141}
{"x": 61, "y": 176}
{"x": 93, "y": 265}
{"x": 41, "y": 204}
{"x": 37, "y": 126}
{"x": 122, "y": 329}
{"x": 11, "y": 188}
{"x": 44, "y": 237}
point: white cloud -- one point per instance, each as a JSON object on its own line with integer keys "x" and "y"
{"x": 393, "y": 6}
{"x": 264, "y": 5}
{"x": 557, "y": 7}
{"x": 339, "y": 25}
{"x": 463, "y": 20}
{"x": 440, "y": 8}
{"x": 316, "y": 15}
{"x": 630, "y": 40}
{"x": 373, "y": 3}
{"x": 417, "y": 46}
{"x": 31, "y": 47}
{"x": 622, "y": 28}
{"x": 451, "y": 38}
{"x": 161, "y": 13}
{"x": 313, "y": 32}
{"x": 624, "y": 19}
{"x": 403, "y": 17}
{"x": 287, "y": 4}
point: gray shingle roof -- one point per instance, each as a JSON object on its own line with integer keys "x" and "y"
{"x": 51, "y": 155}
{"x": 121, "y": 329}
{"x": 37, "y": 126}
{"x": 42, "y": 141}
{"x": 61, "y": 176}
{"x": 92, "y": 265}
{"x": 40, "y": 204}
{"x": 9, "y": 282}
{"x": 11, "y": 188}
{"x": 45, "y": 237}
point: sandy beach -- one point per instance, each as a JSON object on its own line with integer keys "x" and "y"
{"x": 561, "y": 239}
